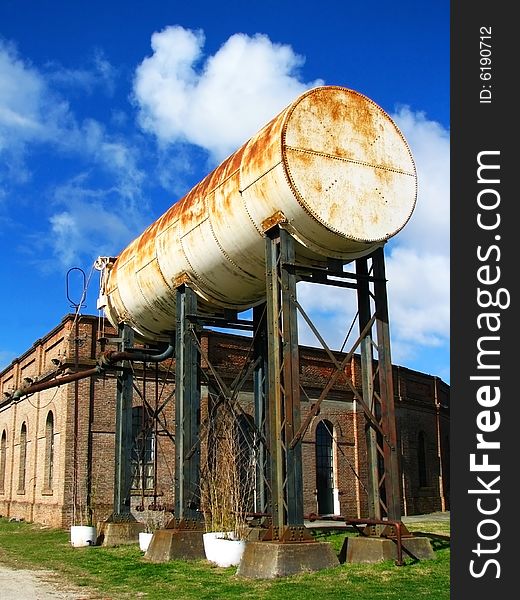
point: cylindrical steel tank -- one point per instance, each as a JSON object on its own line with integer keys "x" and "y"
{"x": 333, "y": 164}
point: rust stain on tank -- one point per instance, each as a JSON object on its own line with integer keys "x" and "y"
{"x": 384, "y": 176}
{"x": 265, "y": 145}
{"x": 191, "y": 209}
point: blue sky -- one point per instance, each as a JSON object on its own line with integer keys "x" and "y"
{"x": 104, "y": 124}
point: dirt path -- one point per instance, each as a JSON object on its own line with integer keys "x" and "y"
{"x": 21, "y": 584}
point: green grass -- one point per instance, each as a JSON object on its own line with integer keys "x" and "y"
{"x": 120, "y": 573}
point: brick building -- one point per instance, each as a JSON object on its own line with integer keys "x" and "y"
{"x": 57, "y": 446}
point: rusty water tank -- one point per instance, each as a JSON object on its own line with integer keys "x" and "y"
{"x": 333, "y": 164}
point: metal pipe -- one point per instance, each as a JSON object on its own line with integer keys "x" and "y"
{"x": 111, "y": 357}
{"x": 45, "y": 385}
{"x": 106, "y": 360}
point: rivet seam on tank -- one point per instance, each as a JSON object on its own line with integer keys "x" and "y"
{"x": 292, "y": 185}
{"x": 241, "y": 190}
{"x": 239, "y": 268}
{"x": 160, "y": 273}
{"x": 174, "y": 226}
{"x": 350, "y": 160}
{"x": 196, "y": 277}
{"x": 260, "y": 177}
{"x": 249, "y": 214}
{"x": 193, "y": 275}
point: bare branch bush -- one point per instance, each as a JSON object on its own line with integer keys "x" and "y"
{"x": 228, "y": 474}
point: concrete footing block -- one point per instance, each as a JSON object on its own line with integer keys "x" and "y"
{"x": 372, "y": 550}
{"x": 268, "y": 560}
{"x": 172, "y": 544}
{"x": 117, "y": 534}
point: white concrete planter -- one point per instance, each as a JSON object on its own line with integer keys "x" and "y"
{"x": 144, "y": 540}
{"x": 82, "y": 535}
{"x": 222, "y": 550}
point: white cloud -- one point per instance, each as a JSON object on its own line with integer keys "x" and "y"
{"x": 419, "y": 287}
{"x": 418, "y": 263}
{"x": 98, "y": 74}
{"x": 214, "y": 102}
{"x": 33, "y": 113}
{"x": 90, "y": 222}
{"x": 21, "y": 91}
{"x": 115, "y": 155}
{"x": 428, "y": 227}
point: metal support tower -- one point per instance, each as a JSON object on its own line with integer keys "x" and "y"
{"x": 123, "y": 437}
{"x": 385, "y": 398}
{"x": 279, "y": 429}
{"x": 283, "y": 392}
{"x": 283, "y": 396}
{"x": 187, "y": 409}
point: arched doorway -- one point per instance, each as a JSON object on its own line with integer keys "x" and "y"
{"x": 325, "y": 468}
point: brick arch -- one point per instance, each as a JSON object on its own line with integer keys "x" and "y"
{"x": 3, "y": 457}
{"x": 19, "y": 422}
{"x": 51, "y": 407}
{"x": 324, "y": 449}
{"x": 49, "y": 460}
{"x": 332, "y": 419}
{"x": 23, "y": 439}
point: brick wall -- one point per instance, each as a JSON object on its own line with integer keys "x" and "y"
{"x": 83, "y": 416}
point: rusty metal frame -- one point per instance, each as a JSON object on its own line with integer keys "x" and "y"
{"x": 187, "y": 409}
{"x": 277, "y": 390}
{"x": 192, "y": 365}
{"x": 219, "y": 393}
{"x": 377, "y": 382}
{"x": 376, "y": 398}
{"x": 123, "y": 433}
{"x": 283, "y": 395}
{"x": 153, "y": 421}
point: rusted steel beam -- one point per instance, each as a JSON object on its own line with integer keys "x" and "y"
{"x": 187, "y": 407}
{"x": 291, "y": 382}
{"x": 386, "y": 390}
{"x": 313, "y": 411}
{"x": 123, "y": 434}
{"x": 275, "y": 409}
{"x": 367, "y": 384}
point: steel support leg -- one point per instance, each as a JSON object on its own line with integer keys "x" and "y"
{"x": 123, "y": 437}
{"x": 367, "y": 382}
{"x": 187, "y": 409}
{"x": 259, "y": 389}
{"x": 284, "y": 387}
{"x": 386, "y": 390}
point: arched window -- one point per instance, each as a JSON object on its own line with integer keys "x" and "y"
{"x": 22, "y": 466}
{"x": 49, "y": 451}
{"x": 421, "y": 459}
{"x": 325, "y": 468}
{"x": 3, "y": 457}
{"x": 143, "y": 449}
